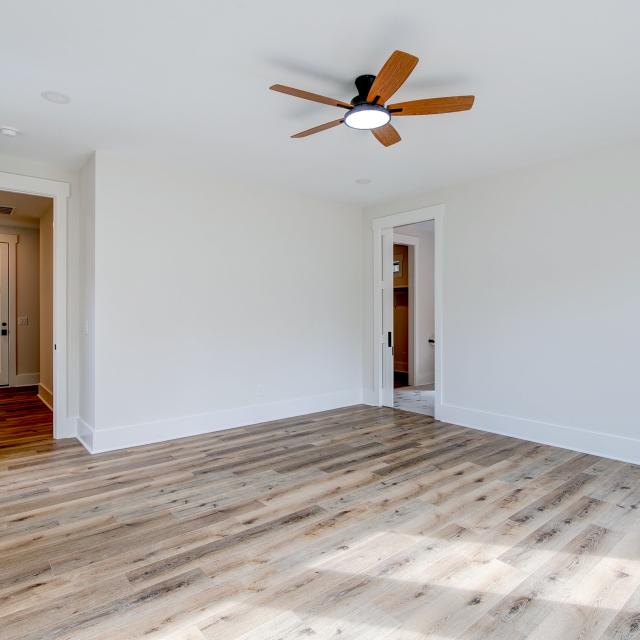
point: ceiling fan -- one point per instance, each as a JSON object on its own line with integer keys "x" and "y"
{"x": 368, "y": 110}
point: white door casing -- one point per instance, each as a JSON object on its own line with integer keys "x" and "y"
{"x": 383, "y": 305}
{"x": 386, "y": 338}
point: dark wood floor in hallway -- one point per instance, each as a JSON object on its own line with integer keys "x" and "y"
{"x": 24, "y": 418}
{"x": 356, "y": 523}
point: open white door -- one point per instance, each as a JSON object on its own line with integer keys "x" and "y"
{"x": 4, "y": 314}
{"x": 386, "y": 339}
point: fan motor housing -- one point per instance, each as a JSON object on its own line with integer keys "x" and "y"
{"x": 363, "y": 84}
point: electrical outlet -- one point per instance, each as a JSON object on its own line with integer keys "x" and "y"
{"x": 23, "y": 321}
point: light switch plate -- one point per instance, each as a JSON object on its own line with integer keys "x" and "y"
{"x": 23, "y": 321}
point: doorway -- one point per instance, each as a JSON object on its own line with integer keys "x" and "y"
{"x": 26, "y": 310}
{"x": 407, "y": 310}
{"x": 64, "y": 426}
{"x": 401, "y": 321}
{"x": 413, "y": 318}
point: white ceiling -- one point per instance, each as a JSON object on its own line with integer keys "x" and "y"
{"x": 190, "y": 80}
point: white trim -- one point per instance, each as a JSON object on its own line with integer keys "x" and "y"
{"x": 84, "y": 433}
{"x": 25, "y": 379}
{"x": 100, "y": 440}
{"x": 370, "y": 397}
{"x": 435, "y": 213}
{"x": 399, "y": 238}
{"x": 597, "y": 443}
{"x": 63, "y": 426}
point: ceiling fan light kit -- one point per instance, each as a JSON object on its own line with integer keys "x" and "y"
{"x": 367, "y": 116}
{"x": 368, "y": 110}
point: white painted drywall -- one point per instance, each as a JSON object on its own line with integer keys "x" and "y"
{"x": 218, "y": 304}
{"x": 541, "y": 286}
{"x": 86, "y": 308}
{"x": 46, "y": 303}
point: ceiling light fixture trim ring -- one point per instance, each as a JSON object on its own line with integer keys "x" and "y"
{"x": 367, "y": 116}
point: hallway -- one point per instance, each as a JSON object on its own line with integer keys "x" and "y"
{"x": 24, "y": 418}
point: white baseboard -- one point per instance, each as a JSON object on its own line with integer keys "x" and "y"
{"x": 597, "y": 443}
{"x": 370, "y": 397}
{"x": 84, "y": 433}
{"x": 26, "y": 379}
{"x": 109, "y": 439}
{"x": 67, "y": 427}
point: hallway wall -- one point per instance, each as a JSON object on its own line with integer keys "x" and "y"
{"x": 27, "y": 303}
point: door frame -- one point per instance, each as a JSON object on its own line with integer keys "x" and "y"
{"x": 435, "y": 213}
{"x": 59, "y": 192}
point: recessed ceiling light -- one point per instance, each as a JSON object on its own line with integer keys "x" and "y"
{"x": 9, "y": 131}
{"x": 362, "y": 181}
{"x": 367, "y": 116}
{"x": 56, "y": 97}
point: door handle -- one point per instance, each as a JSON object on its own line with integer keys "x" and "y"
{"x": 432, "y": 341}
{"x": 389, "y": 339}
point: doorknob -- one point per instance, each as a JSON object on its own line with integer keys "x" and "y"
{"x": 432, "y": 341}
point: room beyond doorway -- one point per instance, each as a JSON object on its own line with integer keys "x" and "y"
{"x": 26, "y": 306}
{"x": 414, "y": 317}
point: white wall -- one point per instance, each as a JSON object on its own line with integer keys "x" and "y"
{"x": 425, "y": 372}
{"x": 86, "y": 324}
{"x": 45, "y": 389}
{"x": 218, "y": 304}
{"x": 541, "y": 286}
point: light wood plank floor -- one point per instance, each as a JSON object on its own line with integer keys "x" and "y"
{"x": 357, "y": 523}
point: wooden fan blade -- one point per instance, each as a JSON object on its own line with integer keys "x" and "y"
{"x": 318, "y": 129}
{"x": 392, "y": 76}
{"x": 306, "y": 95}
{"x": 431, "y": 105}
{"x": 386, "y": 135}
